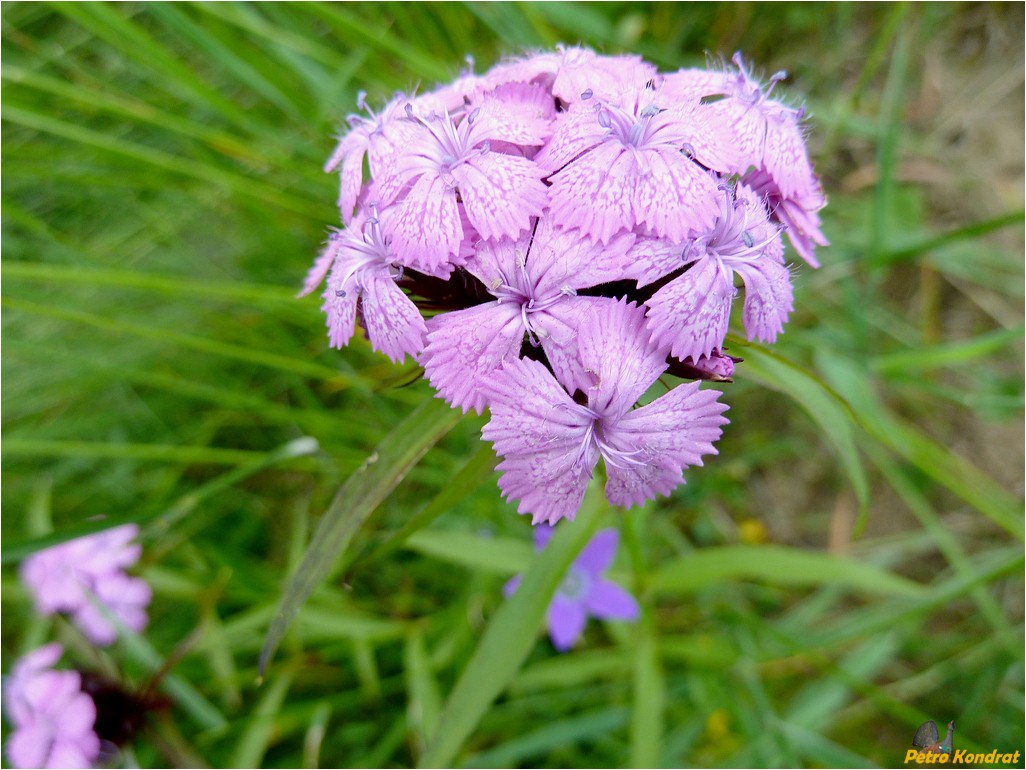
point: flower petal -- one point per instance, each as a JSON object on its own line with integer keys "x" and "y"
{"x": 650, "y": 259}
{"x": 393, "y": 322}
{"x": 465, "y": 346}
{"x": 621, "y": 361}
{"x": 768, "y": 298}
{"x": 566, "y": 619}
{"x": 340, "y": 308}
{"x": 540, "y": 434}
{"x": 673, "y": 195}
{"x": 598, "y": 554}
{"x": 426, "y": 230}
{"x": 662, "y": 438}
{"x": 500, "y": 193}
{"x": 515, "y": 112}
{"x": 561, "y": 259}
{"x": 594, "y": 193}
{"x": 691, "y": 313}
{"x": 608, "y": 601}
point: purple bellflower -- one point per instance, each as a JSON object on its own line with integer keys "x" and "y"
{"x": 583, "y": 592}
{"x": 550, "y": 443}
{"x": 690, "y": 314}
{"x": 534, "y": 281}
{"x": 75, "y": 576}
{"x": 52, "y": 717}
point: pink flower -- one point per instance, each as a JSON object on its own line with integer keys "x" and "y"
{"x": 447, "y": 156}
{"x": 581, "y": 70}
{"x": 53, "y": 719}
{"x": 73, "y": 576}
{"x": 690, "y": 313}
{"x": 798, "y": 214}
{"x": 534, "y": 280}
{"x": 364, "y": 271}
{"x": 583, "y": 592}
{"x": 638, "y": 162}
{"x": 550, "y": 443}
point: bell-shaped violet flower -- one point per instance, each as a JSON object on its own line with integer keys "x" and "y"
{"x": 584, "y": 592}
{"x": 534, "y": 280}
{"x": 449, "y": 165}
{"x": 53, "y": 718}
{"x": 691, "y": 313}
{"x": 75, "y": 576}
{"x": 635, "y": 162}
{"x": 364, "y": 271}
{"x": 550, "y": 443}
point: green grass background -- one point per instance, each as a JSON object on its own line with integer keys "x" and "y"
{"x": 850, "y": 565}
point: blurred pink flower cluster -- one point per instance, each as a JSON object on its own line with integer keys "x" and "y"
{"x": 548, "y": 238}
{"x": 52, "y": 717}
{"x": 81, "y": 575}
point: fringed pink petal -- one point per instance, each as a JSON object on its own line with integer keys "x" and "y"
{"x": 426, "y": 229}
{"x": 500, "y": 193}
{"x": 691, "y": 313}
{"x": 394, "y": 324}
{"x": 465, "y": 347}
{"x": 541, "y": 437}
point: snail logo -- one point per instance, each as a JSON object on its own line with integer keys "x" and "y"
{"x": 928, "y": 749}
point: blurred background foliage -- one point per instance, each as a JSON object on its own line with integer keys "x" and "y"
{"x": 162, "y": 199}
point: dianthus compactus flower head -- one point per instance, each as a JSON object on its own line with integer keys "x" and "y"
{"x": 549, "y": 237}
{"x": 78, "y": 576}
{"x": 52, "y": 717}
{"x": 584, "y": 591}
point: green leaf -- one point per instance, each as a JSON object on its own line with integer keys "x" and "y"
{"x": 774, "y": 564}
{"x": 252, "y": 744}
{"x": 424, "y": 702}
{"x": 510, "y": 635}
{"x": 649, "y": 699}
{"x": 946, "y": 354}
{"x": 502, "y": 555}
{"x": 820, "y": 402}
{"x": 464, "y": 482}
{"x": 353, "y": 505}
{"x": 960, "y": 476}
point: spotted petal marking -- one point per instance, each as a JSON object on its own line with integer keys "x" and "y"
{"x": 500, "y": 193}
{"x": 672, "y": 195}
{"x": 621, "y": 361}
{"x": 690, "y": 314}
{"x": 768, "y": 298}
{"x": 426, "y": 230}
{"x": 665, "y": 436}
{"x": 594, "y": 192}
{"x": 465, "y": 347}
{"x": 535, "y": 428}
{"x": 393, "y": 322}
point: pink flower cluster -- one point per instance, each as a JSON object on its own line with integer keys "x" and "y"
{"x": 52, "y": 717}
{"x": 79, "y": 576}
{"x": 549, "y": 238}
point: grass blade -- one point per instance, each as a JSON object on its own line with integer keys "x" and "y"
{"x": 510, "y": 635}
{"x": 821, "y": 403}
{"x": 778, "y": 565}
{"x": 353, "y": 505}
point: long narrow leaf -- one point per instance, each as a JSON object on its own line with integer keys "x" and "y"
{"x": 822, "y": 404}
{"x": 510, "y": 635}
{"x": 353, "y": 505}
{"x": 778, "y": 565}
